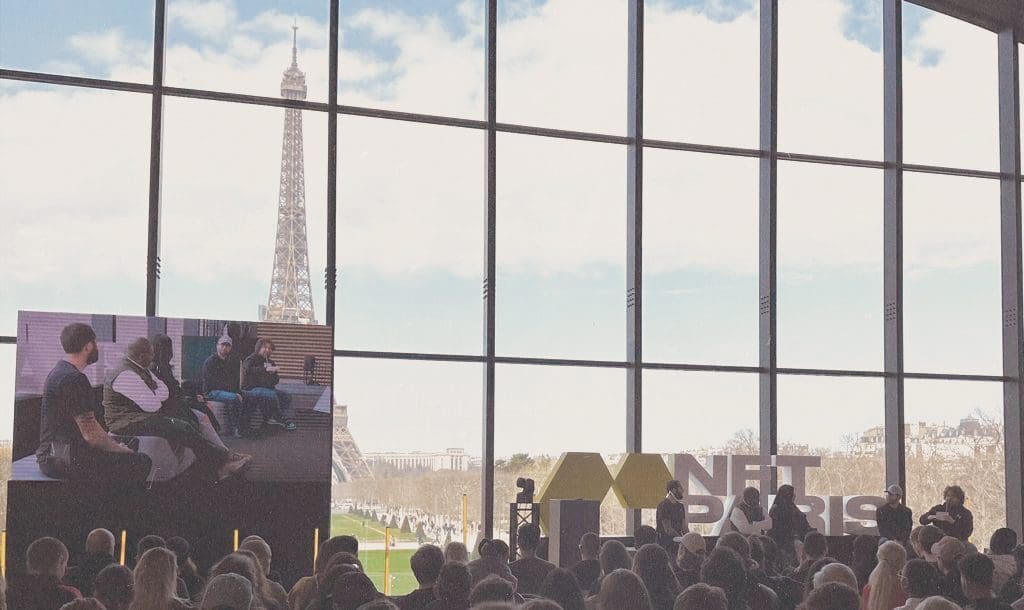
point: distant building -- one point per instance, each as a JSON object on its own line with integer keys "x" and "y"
{"x": 969, "y": 438}
{"x": 449, "y": 459}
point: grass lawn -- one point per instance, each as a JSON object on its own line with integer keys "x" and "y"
{"x": 402, "y": 580}
{"x": 365, "y": 530}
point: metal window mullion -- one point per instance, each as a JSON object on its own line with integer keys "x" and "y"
{"x": 490, "y": 269}
{"x": 331, "y": 272}
{"x": 634, "y": 238}
{"x": 767, "y": 231}
{"x": 155, "y": 157}
{"x": 1010, "y": 247}
{"x": 892, "y": 254}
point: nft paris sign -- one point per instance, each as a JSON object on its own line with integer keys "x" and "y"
{"x": 638, "y": 481}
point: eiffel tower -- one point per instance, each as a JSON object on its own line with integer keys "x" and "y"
{"x": 347, "y": 462}
{"x": 291, "y": 298}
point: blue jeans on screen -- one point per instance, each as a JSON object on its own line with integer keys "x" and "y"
{"x": 274, "y": 401}
{"x": 238, "y": 420}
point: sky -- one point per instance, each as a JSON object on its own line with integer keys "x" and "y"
{"x": 74, "y": 186}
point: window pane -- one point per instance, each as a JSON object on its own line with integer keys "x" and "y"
{"x": 110, "y": 39}
{"x": 830, "y": 77}
{"x": 561, "y": 248}
{"x": 80, "y": 243}
{"x": 853, "y": 454}
{"x": 954, "y": 436}
{"x": 222, "y": 182}
{"x": 410, "y": 237}
{"x": 672, "y": 399}
{"x": 950, "y": 91}
{"x": 534, "y": 407}
{"x": 709, "y": 102}
{"x": 952, "y": 298}
{"x": 245, "y": 47}
{"x": 830, "y": 267}
{"x": 700, "y": 258}
{"x": 413, "y": 56}
{"x": 424, "y": 454}
{"x": 563, "y": 64}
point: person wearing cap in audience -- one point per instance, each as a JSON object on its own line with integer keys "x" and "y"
{"x": 221, "y": 384}
{"x": 228, "y": 591}
{"x": 895, "y": 521}
{"x": 689, "y": 559}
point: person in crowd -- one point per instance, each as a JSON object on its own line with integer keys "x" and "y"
{"x": 789, "y": 524}
{"x": 815, "y": 547}
{"x": 919, "y": 580}
{"x": 976, "y": 576}
{"x": 833, "y": 596}
{"x": 895, "y": 521}
{"x": 244, "y": 565}
{"x": 724, "y": 569}
{"x": 623, "y": 590}
{"x": 689, "y": 559}
{"x": 492, "y": 589}
{"x": 930, "y": 535}
{"x": 452, "y": 588}
{"x": 188, "y": 572}
{"x": 529, "y": 570}
{"x": 645, "y": 534}
{"x": 832, "y": 572}
{"x": 771, "y": 556}
{"x": 153, "y": 541}
{"x": 379, "y": 604}
{"x": 865, "y": 558}
{"x": 351, "y": 591}
{"x": 670, "y": 518}
{"x": 937, "y": 602}
{"x": 1013, "y": 590}
{"x": 884, "y": 590}
{"x": 760, "y": 595}
{"x": 84, "y": 603}
{"x": 614, "y": 556}
{"x": 307, "y": 588}
{"x": 426, "y": 564}
{"x": 72, "y": 443}
{"x": 654, "y": 568}
{"x": 540, "y": 604}
{"x": 1000, "y": 551}
{"x": 41, "y": 589}
{"x": 813, "y": 572}
{"x": 952, "y": 517}
{"x": 748, "y": 516}
{"x": 261, "y": 551}
{"x": 588, "y": 569}
{"x": 948, "y": 553}
{"x": 227, "y": 591}
{"x": 132, "y": 399}
{"x": 915, "y": 542}
{"x": 99, "y": 553}
{"x": 700, "y": 596}
{"x": 457, "y": 552}
{"x": 562, "y": 587}
{"x": 493, "y": 560}
{"x": 155, "y": 582}
{"x": 114, "y": 587}
{"x": 262, "y": 586}
{"x": 259, "y": 382}
{"x": 221, "y": 384}
{"x": 329, "y": 581}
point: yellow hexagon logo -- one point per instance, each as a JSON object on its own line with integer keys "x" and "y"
{"x": 639, "y": 480}
{"x": 576, "y": 476}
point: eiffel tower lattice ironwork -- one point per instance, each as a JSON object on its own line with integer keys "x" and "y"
{"x": 291, "y": 297}
{"x": 348, "y": 463}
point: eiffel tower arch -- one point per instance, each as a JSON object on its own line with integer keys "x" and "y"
{"x": 347, "y": 463}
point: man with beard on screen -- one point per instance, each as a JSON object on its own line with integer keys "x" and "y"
{"x": 72, "y": 443}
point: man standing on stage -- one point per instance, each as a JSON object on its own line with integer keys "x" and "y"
{"x": 259, "y": 382}
{"x": 72, "y": 443}
{"x": 671, "y": 517}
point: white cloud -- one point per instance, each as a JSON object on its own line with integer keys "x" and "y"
{"x": 205, "y": 18}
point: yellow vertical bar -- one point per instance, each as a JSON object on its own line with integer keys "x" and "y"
{"x": 387, "y": 561}
{"x": 465, "y": 519}
{"x": 316, "y": 543}
{"x": 124, "y": 539}
{"x": 235, "y": 548}
{"x": 3, "y": 554}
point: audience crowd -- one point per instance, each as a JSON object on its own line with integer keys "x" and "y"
{"x": 930, "y": 568}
